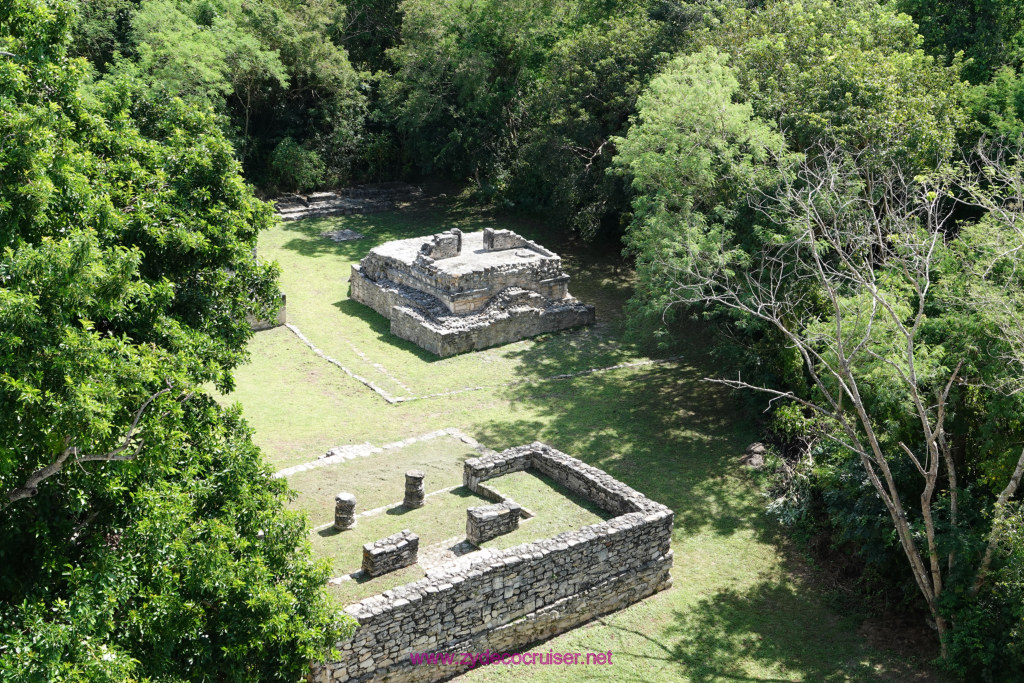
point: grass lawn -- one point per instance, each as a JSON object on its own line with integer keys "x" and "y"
{"x": 441, "y": 526}
{"x": 742, "y": 606}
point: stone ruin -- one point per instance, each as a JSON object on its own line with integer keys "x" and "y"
{"x": 485, "y": 522}
{"x": 505, "y": 600}
{"x": 391, "y": 553}
{"x": 455, "y": 292}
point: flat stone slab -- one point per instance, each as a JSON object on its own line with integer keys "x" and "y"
{"x": 343, "y": 235}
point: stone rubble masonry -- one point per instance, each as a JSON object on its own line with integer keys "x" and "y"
{"x": 344, "y": 511}
{"x": 414, "y": 492}
{"x": 443, "y": 245}
{"x": 391, "y": 553}
{"x": 465, "y": 295}
{"x": 485, "y": 522}
{"x": 507, "y": 600}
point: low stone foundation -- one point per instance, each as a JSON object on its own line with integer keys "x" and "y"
{"x": 391, "y": 553}
{"x": 490, "y": 521}
{"x": 508, "y": 600}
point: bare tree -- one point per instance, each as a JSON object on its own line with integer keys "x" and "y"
{"x": 846, "y": 283}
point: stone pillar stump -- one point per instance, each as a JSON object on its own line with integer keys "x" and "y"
{"x": 344, "y": 511}
{"x": 414, "y": 493}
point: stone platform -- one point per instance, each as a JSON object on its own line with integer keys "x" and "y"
{"x": 452, "y": 292}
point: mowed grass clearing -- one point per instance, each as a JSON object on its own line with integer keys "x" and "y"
{"x": 742, "y": 606}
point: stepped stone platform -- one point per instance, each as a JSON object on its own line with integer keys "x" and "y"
{"x": 352, "y": 200}
{"x": 455, "y": 292}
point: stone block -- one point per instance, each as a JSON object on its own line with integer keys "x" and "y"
{"x": 490, "y": 521}
{"x": 344, "y": 511}
{"x": 391, "y": 553}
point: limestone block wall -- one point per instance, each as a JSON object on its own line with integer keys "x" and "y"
{"x": 485, "y": 522}
{"x": 391, "y": 553}
{"x": 443, "y": 245}
{"x": 496, "y": 240}
{"x": 490, "y": 329}
{"x": 280, "y": 319}
{"x": 514, "y": 598}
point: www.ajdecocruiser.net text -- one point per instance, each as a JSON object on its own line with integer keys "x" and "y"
{"x": 549, "y": 658}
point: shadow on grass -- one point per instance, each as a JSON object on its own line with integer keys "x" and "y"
{"x": 381, "y": 327}
{"x": 660, "y": 429}
{"x": 769, "y": 625}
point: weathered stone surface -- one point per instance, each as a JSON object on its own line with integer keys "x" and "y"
{"x": 485, "y": 522}
{"x": 505, "y": 600}
{"x": 391, "y": 553}
{"x": 347, "y": 201}
{"x": 344, "y": 511}
{"x": 754, "y": 456}
{"x": 414, "y": 492}
{"x": 455, "y": 292}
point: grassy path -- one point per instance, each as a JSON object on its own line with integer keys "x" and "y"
{"x": 740, "y": 608}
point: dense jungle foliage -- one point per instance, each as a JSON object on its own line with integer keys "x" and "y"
{"x": 834, "y": 186}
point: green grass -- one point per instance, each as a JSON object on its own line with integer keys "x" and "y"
{"x": 379, "y": 479}
{"x": 557, "y": 509}
{"x": 741, "y": 607}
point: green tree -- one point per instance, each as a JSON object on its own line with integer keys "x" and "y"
{"x": 853, "y": 73}
{"x": 140, "y": 535}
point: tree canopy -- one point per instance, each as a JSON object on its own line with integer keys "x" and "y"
{"x": 143, "y": 537}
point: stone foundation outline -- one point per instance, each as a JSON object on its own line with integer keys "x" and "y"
{"x": 513, "y": 598}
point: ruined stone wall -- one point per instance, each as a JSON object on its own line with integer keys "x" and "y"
{"x": 469, "y": 292}
{"x": 511, "y": 599}
{"x": 485, "y": 522}
{"x": 391, "y": 553}
{"x": 488, "y": 329}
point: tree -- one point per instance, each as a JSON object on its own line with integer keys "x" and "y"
{"x": 850, "y": 72}
{"x": 851, "y": 280}
{"x": 141, "y": 534}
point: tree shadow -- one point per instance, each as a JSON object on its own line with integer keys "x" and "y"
{"x": 381, "y": 327}
{"x": 772, "y": 624}
{"x": 659, "y": 429}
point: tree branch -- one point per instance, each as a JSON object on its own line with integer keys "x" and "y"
{"x": 31, "y": 486}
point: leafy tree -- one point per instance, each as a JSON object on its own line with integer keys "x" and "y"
{"x": 987, "y": 32}
{"x": 850, "y": 72}
{"x": 141, "y": 534}
{"x": 274, "y": 69}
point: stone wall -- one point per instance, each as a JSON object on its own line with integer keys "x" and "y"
{"x": 485, "y": 522}
{"x": 496, "y": 240}
{"x": 443, "y": 245}
{"x": 280, "y": 319}
{"x": 491, "y": 328}
{"x": 511, "y": 599}
{"x": 391, "y": 553}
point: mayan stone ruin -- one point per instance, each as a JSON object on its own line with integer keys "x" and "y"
{"x": 490, "y": 521}
{"x": 391, "y": 553}
{"x": 506, "y": 600}
{"x": 455, "y": 292}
